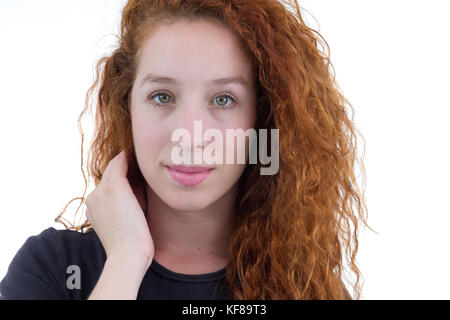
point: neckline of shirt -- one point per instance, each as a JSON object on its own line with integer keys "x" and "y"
{"x": 160, "y": 269}
{"x": 211, "y": 276}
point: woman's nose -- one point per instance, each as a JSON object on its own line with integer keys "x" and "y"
{"x": 194, "y": 120}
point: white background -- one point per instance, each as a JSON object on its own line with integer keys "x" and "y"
{"x": 391, "y": 60}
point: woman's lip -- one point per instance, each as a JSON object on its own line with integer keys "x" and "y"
{"x": 189, "y": 178}
{"x": 190, "y": 169}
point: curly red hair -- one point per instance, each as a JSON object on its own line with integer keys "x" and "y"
{"x": 293, "y": 229}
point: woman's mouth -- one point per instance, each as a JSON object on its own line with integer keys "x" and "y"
{"x": 189, "y": 175}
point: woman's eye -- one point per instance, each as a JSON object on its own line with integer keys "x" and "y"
{"x": 223, "y": 99}
{"x": 164, "y": 98}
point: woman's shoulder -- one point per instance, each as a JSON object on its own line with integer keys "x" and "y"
{"x": 42, "y": 265}
{"x": 66, "y": 243}
{"x": 73, "y": 239}
{"x": 80, "y": 250}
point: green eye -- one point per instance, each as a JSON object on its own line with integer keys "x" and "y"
{"x": 222, "y": 100}
{"x": 165, "y": 98}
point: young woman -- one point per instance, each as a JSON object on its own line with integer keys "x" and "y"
{"x": 156, "y": 230}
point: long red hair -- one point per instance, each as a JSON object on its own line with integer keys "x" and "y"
{"x": 293, "y": 230}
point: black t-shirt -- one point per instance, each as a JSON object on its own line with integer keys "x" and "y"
{"x": 65, "y": 264}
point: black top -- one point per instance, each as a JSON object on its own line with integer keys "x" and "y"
{"x": 65, "y": 264}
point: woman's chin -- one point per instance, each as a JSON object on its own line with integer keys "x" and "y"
{"x": 186, "y": 200}
{"x": 187, "y": 206}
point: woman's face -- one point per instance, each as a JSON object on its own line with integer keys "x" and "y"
{"x": 193, "y": 53}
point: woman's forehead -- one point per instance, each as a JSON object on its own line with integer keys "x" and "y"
{"x": 194, "y": 47}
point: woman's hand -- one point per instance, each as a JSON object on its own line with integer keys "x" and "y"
{"x": 118, "y": 217}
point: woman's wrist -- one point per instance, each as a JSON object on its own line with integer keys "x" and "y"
{"x": 131, "y": 263}
{"x": 121, "y": 278}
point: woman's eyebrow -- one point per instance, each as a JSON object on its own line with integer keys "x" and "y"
{"x": 153, "y": 78}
